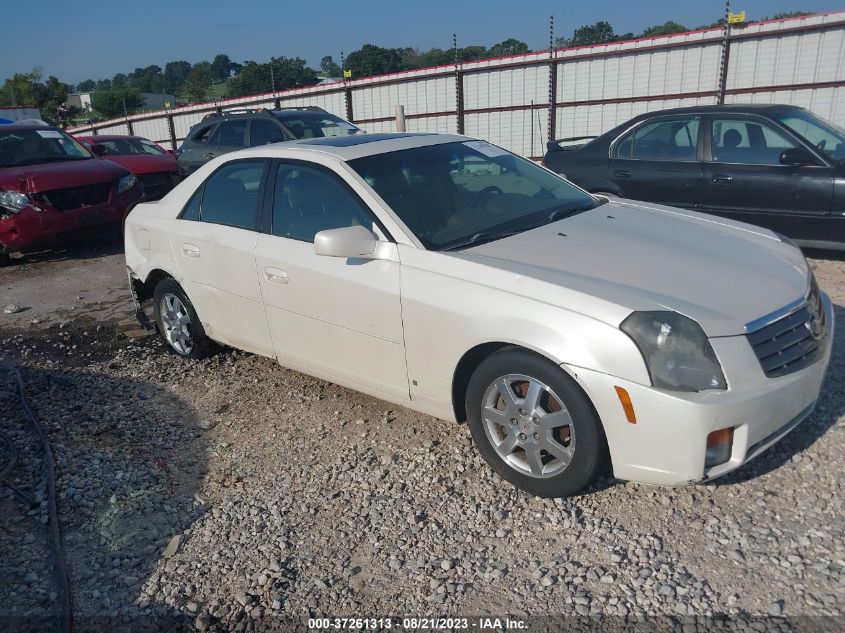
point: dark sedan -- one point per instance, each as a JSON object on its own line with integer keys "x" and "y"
{"x": 777, "y": 166}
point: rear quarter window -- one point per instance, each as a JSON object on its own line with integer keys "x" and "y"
{"x": 202, "y": 135}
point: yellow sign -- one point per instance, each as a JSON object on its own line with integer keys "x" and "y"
{"x": 736, "y": 18}
{"x": 347, "y": 74}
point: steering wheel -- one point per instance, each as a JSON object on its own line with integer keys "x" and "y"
{"x": 821, "y": 144}
{"x": 483, "y": 194}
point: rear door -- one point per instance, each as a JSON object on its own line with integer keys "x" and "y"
{"x": 228, "y": 137}
{"x": 214, "y": 243}
{"x": 746, "y": 180}
{"x": 265, "y": 131}
{"x": 195, "y": 147}
{"x": 659, "y": 161}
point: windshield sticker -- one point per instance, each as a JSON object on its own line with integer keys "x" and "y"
{"x": 49, "y": 134}
{"x": 485, "y": 148}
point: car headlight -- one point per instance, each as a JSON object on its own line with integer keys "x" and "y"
{"x": 126, "y": 183}
{"x": 676, "y": 351}
{"x": 14, "y": 201}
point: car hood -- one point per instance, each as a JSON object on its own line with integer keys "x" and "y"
{"x": 48, "y": 176}
{"x": 721, "y": 273}
{"x": 146, "y": 164}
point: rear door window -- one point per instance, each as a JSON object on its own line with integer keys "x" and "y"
{"x": 202, "y": 136}
{"x": 231, "y": 194}
{"x": 230, "y": 134}
{"x": 672, "y": 139}
{"x": 263, "y": 131}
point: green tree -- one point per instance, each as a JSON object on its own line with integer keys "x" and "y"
{"x": 597, "y": 33}
{"x": 117, "y": 101}
{"x": 86, "y": 86}
{"x": 28, "y": 89}
{"x": 149, "y": 79}
{"x": 329, "y": 67}
{"x": 198, "y": 82}
{"x": 789, "y": 14}
{"x": 373, "y": 60}
{"x": 175, "y": 74}
{"x": 508, "y": 47}
{"x": 667, "y": 28}
{"x": 279, "y": 73}
{"x": 221, "y": 67}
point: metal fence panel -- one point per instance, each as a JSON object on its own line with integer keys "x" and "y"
{"x": 795, "y": 60}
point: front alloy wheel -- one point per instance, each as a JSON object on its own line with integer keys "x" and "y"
{"x": 528, "y": 425}
{"x": 534, "y": 424}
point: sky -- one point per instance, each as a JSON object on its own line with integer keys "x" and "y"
{"x": 99, "y": 38}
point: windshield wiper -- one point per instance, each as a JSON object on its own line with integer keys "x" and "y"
{"x": 559, "y": 214}
{"x": 482, "y": 237}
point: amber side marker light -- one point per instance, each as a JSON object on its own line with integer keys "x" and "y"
{"x": 719, "y": 447}
{"x": 627, "y": 405}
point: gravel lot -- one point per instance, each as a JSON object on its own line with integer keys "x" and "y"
{"x": 227, "y": 492}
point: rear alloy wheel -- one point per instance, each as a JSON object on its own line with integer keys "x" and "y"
{"x": 534, "y": 425}
{"x": 177, "y": 321}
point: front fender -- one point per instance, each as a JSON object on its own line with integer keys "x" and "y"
{"x": 445, "y": 315}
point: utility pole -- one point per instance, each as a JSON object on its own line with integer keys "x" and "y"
{"x": 272, "y": 78}
{"x": 459, "y": 86}
{"x": 726, "y": 51}
{"x": 552, "y": 81}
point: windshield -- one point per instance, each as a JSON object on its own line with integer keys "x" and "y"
{"x": 828, "y": 138}
{"x": 129, "y": 147}
{"x": 460, "y": 194}
{"x": 31, "y": 147}
{"x": 316, "y": 124}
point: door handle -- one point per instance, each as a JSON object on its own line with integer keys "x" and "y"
{"x": 276, "y": 276}
{"x": 189, "y": 250}
{"x": 720, "y": 178}
{"x": 622, "y": 173}
{"x": 209, "y": 156}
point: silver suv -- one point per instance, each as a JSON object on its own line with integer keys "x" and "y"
{"x": 229, "y": 130}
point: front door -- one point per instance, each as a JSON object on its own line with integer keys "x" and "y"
{"x": 746, "y": 180}
{"x": 658, "y": 161}
{"x": 339, "y": 318}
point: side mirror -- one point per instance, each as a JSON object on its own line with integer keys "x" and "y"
{"x": 99, "y": 150}
{"x": 797, "y": 156}
{"x": 349, "y": 241}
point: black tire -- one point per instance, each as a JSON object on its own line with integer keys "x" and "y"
{"x": 590, "y": 456}
{"x": 200, "y": 345}
{"x": 4, "y": 258}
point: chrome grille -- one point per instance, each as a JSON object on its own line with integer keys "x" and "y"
{"x": 791, "y": 342}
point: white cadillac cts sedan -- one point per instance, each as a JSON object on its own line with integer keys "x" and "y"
{"x": 447, "y": 275}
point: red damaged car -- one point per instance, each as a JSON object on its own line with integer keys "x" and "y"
{"x": 51, "y": 187}
{"x": 157, "y": 169}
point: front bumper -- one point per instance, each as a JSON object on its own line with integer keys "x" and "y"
{"x": 31, "y": 229}
{"x": 667, "y": 444}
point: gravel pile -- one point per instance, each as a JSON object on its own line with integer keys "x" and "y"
{"x": 227, "y": 492}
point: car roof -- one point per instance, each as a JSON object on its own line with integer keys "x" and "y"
{"x": 26, "y": 127}
{"x": 358, "y": 145}
{"x": 111, "y": 137}
{"x": 758, "y": 108}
